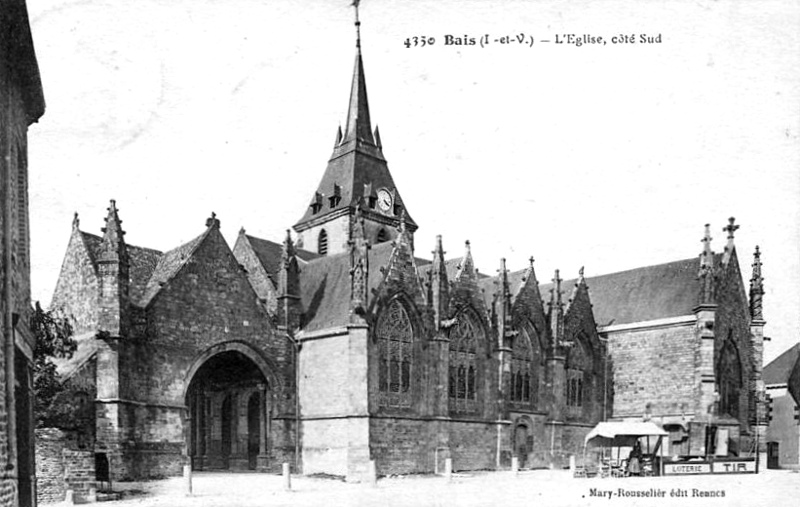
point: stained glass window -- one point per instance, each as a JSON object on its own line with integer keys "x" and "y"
{"x": 395, "y": 355}
{"x": 466, "y": 338}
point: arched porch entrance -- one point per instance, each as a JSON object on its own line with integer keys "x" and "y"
{"x": 228, "y": 402}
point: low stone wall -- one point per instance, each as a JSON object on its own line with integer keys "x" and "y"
{"x": 59, "y": 468}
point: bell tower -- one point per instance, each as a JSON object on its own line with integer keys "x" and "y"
{"x": 356, "y": 176}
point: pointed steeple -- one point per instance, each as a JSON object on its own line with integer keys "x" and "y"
{"x": 756, "y": 288}
{"x": 357, "y": 161}
{"x": 439, "y": 286}
{"x": 358, "y": 126}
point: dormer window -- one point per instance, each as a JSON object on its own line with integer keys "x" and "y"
{"x": 322, "y": 242}
{"x": 316, "y": 204}
{"x": 336, "y": 198}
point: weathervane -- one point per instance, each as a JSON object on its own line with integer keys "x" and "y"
{"x": 358, "y": 23}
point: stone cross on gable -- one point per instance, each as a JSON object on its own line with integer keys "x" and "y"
{"x": 731, "y": 228}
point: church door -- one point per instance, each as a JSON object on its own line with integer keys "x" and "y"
{"x": 253, "y": 433}
{"x": 227, "y": 434}
{"x": 521, "y": 445}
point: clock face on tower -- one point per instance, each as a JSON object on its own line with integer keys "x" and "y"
{"x": 384, "y": 200}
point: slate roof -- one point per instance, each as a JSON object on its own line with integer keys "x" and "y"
{"x": 269, "y": 253}
{"x": 641, "y": 294}
{"x": 779, "y": 370}
{"x": 142, "y": 261}
{"x": 325, "y": 287}
{"x": 169, "y": 265}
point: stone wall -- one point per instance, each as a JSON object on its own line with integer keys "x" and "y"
{"x": 654, "y": 366}
{"x": 59, "y": 467}
{"x": 76, "y": 290}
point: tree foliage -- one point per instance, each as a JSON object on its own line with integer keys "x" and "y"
{"x": 53, "y": 340}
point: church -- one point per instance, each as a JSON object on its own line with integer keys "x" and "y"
{"x": 339, "y": 346}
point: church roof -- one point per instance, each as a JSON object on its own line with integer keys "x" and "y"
{"x": 168, "y": 266}
{"x": 142, "y": 263}
{"x": 356, "y": 169}
{"x": 641, "y": 294}
{"x": 269, "y": 253}
{"x": 325, "y": 287}
{"x": 780, "y": 368}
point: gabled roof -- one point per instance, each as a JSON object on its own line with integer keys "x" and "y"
{"x": 780, "y": 368}
{"x": 169, "y": 265}
{"x": 641, "y": 294}
{"x": 142, "y": 262}
{"x": 269, "y": 254}
{"x": 325, "y": 287}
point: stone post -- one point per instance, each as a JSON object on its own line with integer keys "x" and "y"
{"x": 287, "y": 478}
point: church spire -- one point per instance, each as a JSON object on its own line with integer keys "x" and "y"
{"x": 358, "y": 125}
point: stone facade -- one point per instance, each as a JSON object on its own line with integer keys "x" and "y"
{"x": 145, "y": 363}
{"x": 21, "y": 104}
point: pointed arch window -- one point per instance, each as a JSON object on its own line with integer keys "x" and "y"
{"x": 729, "y": 373}
{"x": 382, "y": 236}
{"x": 521, "y": 369}
{"x": 395, "y": 337}
{"x": 466, "y": 339}
{"x": 322, "y": 242}
{"x": 578, "y": 377}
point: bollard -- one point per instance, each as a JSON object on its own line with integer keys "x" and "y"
{"x": 187, "y": 479}
{"x": 373, "y": 473}
{"x": 572, "y": 464}
{"x": 287, "y": 478}
{"x": 69, "y": 499}
{"x": 448, "y": 469}
{"x": 515, "y": 464}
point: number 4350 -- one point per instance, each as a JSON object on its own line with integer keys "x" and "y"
{"x": 421, "y": 41}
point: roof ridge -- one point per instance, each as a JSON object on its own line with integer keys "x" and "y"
{"x": 163, "y": 272}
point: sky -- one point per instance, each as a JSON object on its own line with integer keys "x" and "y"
{"x": 607, "y": 155}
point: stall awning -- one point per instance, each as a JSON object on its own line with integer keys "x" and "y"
{"x": 617, "y": 434}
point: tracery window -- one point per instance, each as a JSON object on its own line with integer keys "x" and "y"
{"x": 574, "y": 388}
{"x": 578, "y": 367}
{"x": 395, "y": 356}
{"x": 465, "y": 339}
{"x": 520, "y": 390}
{"x": 729, "y": 373}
